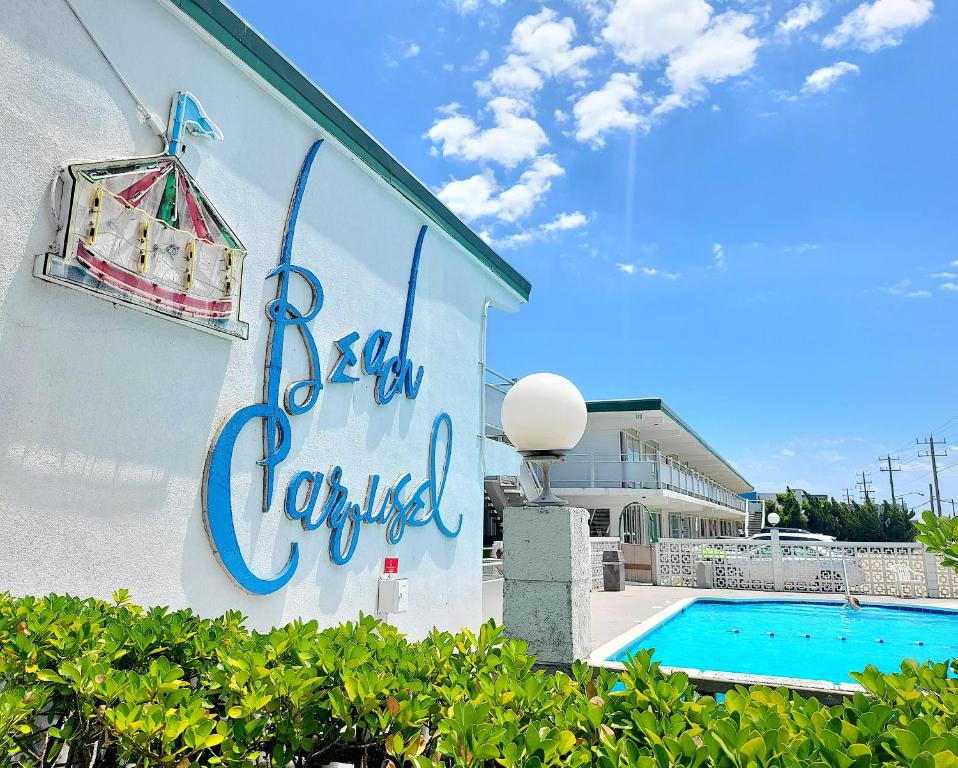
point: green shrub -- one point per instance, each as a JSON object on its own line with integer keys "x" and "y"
{"x": 940, "y": 535}
{"x": 90, "y": 683}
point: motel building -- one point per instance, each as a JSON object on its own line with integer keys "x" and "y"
{"x": 642, "y": 473}
{"x": 244, "y": 347}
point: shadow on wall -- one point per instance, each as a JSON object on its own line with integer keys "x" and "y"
{"x": 85, "y": 406}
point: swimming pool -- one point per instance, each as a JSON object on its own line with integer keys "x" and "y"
{"x": 811, "y": 640}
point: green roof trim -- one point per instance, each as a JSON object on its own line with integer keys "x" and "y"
{"x": 657, "y": 404}
{"x": 224, "y": 25}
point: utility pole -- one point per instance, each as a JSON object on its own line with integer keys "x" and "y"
{"x": 931, "y": 443}
{"x": 848, "y": 498}
{"x": 864, "y": 483}
{"x": 891, "y": 475}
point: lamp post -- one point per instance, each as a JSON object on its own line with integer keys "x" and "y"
{"x": 544, "y": 416}
{"x": 901, "y": 497}
{"x": 547, "y": 553}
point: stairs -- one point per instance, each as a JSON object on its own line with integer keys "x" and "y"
{"x": 755, "y": 518}
{"x": 501, "y": 491}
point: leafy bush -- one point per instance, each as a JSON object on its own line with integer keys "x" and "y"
{"x": 89, "y": 683}
{"x": 940, "y": 534}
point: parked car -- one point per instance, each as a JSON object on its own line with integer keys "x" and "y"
{"x": 791, "y": 534}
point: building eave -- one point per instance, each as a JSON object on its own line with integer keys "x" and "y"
{"x": 230, "y": 30}
{"x": 637, "y": 405}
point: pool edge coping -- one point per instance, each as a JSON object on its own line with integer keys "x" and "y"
{"x": 714, "y": 679}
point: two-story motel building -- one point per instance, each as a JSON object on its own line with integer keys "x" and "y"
{"x": 643, "y": 473}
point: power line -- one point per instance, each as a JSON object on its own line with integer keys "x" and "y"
{"x": 865, "y": 484}
{"x": 848, "y": 498}
{"x": 931, "y": 443}
{"x": 891, "y": 474}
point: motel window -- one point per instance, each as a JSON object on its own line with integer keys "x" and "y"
{"x": 675, "y": 530}
{"x": 653, "y": 527}
{"x": 631, "y": 447}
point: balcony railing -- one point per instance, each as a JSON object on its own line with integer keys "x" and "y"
{"x": 596, "y": 471}
{"x": 496, "y": 387}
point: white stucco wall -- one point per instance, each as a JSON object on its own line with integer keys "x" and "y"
{"x": 107, "y": 413}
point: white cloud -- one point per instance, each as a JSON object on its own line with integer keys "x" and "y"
{"x": 480, "y": 196}
{"x": 564, "y": 222}
{"x": 468, "y": 6}
{"x": 546, "y": 43}
{"x": 670, "y": 102}
{"x": 724, "y": 50}
{"x": 701, "y": 48}
{"x": 953, "y": 264}
{"x": 471, "y": 198}
{"x": 515, "y": 76}
{"x": 879, "y": 24}
{"x": 560, "y": 116}
{"x": 642, "y": 31}
{"x": 541, "y": 46}
{"x": 944, "y": 275}
{"x": 904, "y": 289}
{"x": 482, "y": 58}
{"x": 514, "y": 138}
{"x": 653, "y": 272}
{"x": 949, "y": 286}
{"x": 607, "y": 109}
{"x": 412, "y": 49}
{"x": 718, "y": 255}
{"x": 631, "y": 269}
{"x": 800, "y": 17}
{"x": 518, "y": 200}
{"x": 787, "y": 452}
{"x": 802, "y": 248}
{"x": 824, "y": 78}
{"x": 596, "y": 10}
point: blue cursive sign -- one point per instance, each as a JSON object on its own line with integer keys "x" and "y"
{"x": 318, "y": 499}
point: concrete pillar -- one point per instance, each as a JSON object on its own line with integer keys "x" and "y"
{"x": 930, "y": 566}
{"x": 778, "y": 565}
{"x": 548, "y": 582}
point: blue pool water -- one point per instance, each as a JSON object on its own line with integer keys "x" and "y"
{"x": 771, "y": 637}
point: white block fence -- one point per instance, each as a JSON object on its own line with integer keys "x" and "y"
{"x": 896, "y": 569}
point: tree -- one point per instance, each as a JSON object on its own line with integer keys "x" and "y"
{"x": 790, "y": 511}
{"x": 845, "y": 521}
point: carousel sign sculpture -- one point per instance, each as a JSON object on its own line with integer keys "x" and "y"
{"x": 143, "y": 233}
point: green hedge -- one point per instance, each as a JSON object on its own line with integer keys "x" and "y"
{"x": 99, "y": 684}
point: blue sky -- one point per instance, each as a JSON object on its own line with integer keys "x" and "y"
{"x": 746, "y": 207}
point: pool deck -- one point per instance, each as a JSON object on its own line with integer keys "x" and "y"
{"x": 614, "y": 613}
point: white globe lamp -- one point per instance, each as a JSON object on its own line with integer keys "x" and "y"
{"x": 544, "y": 417}
{"x": 774, "y": 519}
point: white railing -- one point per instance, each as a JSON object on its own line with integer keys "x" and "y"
{"x": 495, "y": 389}
{"x": 586, "y": 470}
{"x": 600, "y": 544}
{"x": 790, "y": 566}
{"x": 491, "y": 569}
